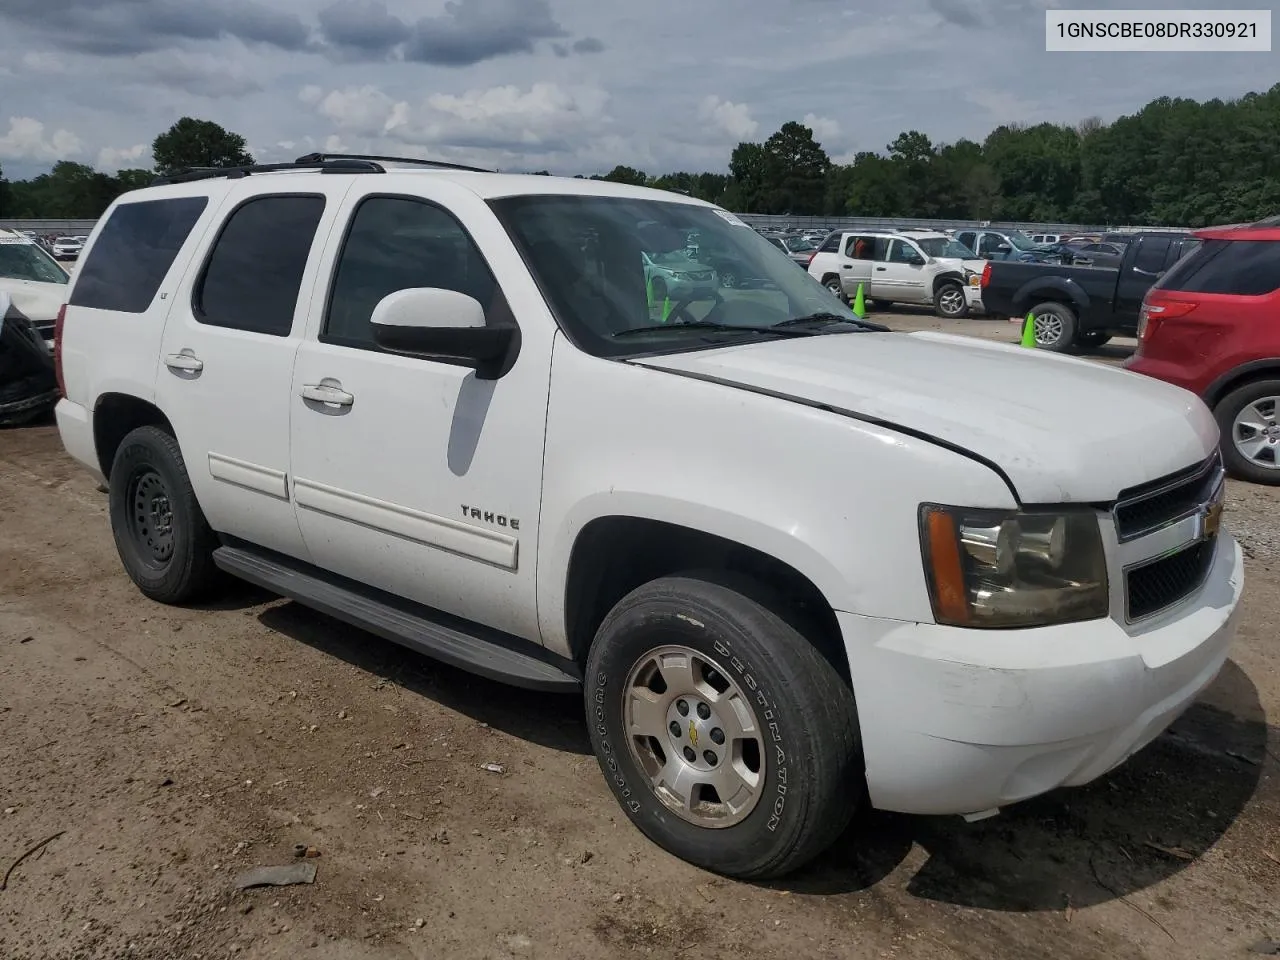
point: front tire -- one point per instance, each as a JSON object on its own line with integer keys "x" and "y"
{"x": 1055, "y": 327}
{"x": 161, "y": 534}
{"x": 1250, "y": 430}
{"x": 724, "y": 734}
{"x": 949, "y": 302}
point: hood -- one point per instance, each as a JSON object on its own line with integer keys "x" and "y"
{"x": 38, "y": 302}
{"x": 1062, "y": 429}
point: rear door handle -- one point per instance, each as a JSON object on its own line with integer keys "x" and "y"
{"x": 185, "y": 361}
{"x": 881, "y": 269}
{"x": 326, "y": 393}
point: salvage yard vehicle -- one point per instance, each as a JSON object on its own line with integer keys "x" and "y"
{"x": 908, "y": 266}
{"x": 1083, "y": 306}
{"x": 411, "y": 396}
{"x": 1212, "y": 325}
{"x": 28, "y": 389}
{"x": 35, "y": 282}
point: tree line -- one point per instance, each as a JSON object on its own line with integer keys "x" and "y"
{"x": 1176, "y": 162}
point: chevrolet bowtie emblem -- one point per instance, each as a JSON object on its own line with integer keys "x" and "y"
{"x": 693, "y": 733}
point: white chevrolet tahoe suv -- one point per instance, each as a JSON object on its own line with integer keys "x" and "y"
{"x": 792, "y": 562}
{"x": 911, "y": 266}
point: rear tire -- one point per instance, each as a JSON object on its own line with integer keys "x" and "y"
{"x": 1250, "y": 453}
{"x": 832, "y": 283}
{"x": 161, "y": 534}
{"x": 682, "y": 652}
{"x": 1055, "y": 326}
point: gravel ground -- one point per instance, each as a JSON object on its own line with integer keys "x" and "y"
{"x": 166, "y": 750}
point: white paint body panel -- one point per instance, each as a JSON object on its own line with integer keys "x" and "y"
{"x": 1064, "y": 430}
{"x": 768, "y": 445}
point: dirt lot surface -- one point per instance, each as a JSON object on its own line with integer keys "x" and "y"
{"x": 166, "y": 750}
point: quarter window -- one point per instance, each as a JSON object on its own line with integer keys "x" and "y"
{"x": 254, "y": 273}
{"x": 396, "y": 243}
{"x": 133, "y": 253}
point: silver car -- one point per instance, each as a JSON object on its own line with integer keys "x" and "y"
{"x": 676, "y": 275}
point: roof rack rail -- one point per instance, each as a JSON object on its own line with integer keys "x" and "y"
{"x": 320, "y": 157}
{"x": 336, "y": 165}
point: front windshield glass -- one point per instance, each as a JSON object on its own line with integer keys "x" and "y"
{"x": 1021, "y": 241}
{"x": 611, "y": 266}
{"x": 799, "y": 246}
{"x": 945, "y": 247}
{"x": 24, "y": 260}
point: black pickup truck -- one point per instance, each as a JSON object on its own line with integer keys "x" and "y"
{"x": 1082, "y": 306}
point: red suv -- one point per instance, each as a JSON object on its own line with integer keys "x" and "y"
{"x": 1211, "y": 325}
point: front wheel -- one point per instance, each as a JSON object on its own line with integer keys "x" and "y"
{"x": 1249, "y": 422}
{"x": 949, "y": 302}
{"x": 161, "y": 533}
{"x": 724, "y": 734}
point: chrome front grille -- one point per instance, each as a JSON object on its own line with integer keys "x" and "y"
{"x": 1169, "y": 531}
{"x": 1141, "y": 510}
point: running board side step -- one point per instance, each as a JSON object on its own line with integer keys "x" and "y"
{"x": 467, "y": 646}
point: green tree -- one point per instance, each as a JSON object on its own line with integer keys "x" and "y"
{"x": 797, "y": 169}
{"x": 629, "y": 175}
{"x": 5, "y": 196}
{"x": 70, "y": 190}
{"x": 134, "y": 179}
{"x": 198, "y": 143}
{"x": 752, "y": 177}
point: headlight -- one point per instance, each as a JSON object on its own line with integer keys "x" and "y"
{"x": 998, "y": 569}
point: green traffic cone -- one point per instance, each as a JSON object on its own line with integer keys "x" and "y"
{"x": 648, "y": 293}
{"x": 666, "y": 309}
{"x": 1029, "y": 331}
{"x": 860, "y": 303}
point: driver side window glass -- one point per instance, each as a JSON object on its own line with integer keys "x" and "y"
{"x": 395, "y": 243}
{"x": 903, "y": 252}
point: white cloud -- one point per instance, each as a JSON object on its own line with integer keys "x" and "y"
{"x": 824, "y": 128}
{"x": 111, "y": 159}
{"x": 26, "y": 140}
{"x": 732, "y": 118}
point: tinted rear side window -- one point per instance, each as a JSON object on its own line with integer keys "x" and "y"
{"x": 134, "y": 252}
{"x": 1248, "y": 268}
{"x": 1151, "y": 254}
{"x": 254, "y": 273}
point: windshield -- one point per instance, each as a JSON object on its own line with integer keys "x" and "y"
{"x": 588, "y": 255}
{"x": 800, "y": 245}
{"x": 20, "y": 259}
{"x": 1021, "y": 241}
{"x": 945, "y": 247}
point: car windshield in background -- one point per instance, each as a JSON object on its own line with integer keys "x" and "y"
{"x": 799, "y": 246}
{"x": 621, "y": 280}
{"x": 26, "y": 261}
{"x": 1021, "y": 241}
{"x": 943, "y": 247}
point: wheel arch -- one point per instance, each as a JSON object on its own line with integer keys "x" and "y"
{"x": 1064, "y": 292}
{"x": 950, "y": 276}
{"x": 1238, "y": 376}
{"x": 115, "y": 416}
{"x": 613, "y": 554}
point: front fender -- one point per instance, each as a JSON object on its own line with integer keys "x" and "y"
{"x": 835, "y": 498}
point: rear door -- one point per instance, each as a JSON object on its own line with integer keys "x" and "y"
{"x": 227, "y": 358}
{"x": 857, "y": 256}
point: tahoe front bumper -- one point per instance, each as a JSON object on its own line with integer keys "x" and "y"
{"x": 959, "y": 721}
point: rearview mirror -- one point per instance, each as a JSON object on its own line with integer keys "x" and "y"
{"x": 447, "y": 326}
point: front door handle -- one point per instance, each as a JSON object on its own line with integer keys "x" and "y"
{"x": 327, "y": 393}
{"x": 881, "y": 269}
{"x": 186, "y": 361}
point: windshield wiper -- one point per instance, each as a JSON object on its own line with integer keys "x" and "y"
{"x": 828, "y": 318}
{"x": 704, "y": 325}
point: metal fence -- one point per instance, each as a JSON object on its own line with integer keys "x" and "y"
{"x": 756, "y": 220}
{"x": 906, "y": 223}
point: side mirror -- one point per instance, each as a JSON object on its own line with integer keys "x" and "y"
{"x": 446, "y": 326}
{"x": 1003, "y": 248}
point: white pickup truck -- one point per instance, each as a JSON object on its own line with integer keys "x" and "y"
{"x": 794, "y": 563}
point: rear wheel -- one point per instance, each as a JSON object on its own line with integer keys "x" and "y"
{"x": 724, "y": 734}
{"x": 1248, "y": 421}
{"x": 1055, "y": 326}
{"x": 161, "y": 534}
{"x": 832, "y": 283}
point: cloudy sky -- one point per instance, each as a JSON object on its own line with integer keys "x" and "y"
{"x": 570, "y": 85}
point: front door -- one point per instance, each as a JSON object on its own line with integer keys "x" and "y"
{"x": 227, "y": 355}
{"x": 900, "y": 278}
{"x": 415, "y": 476}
